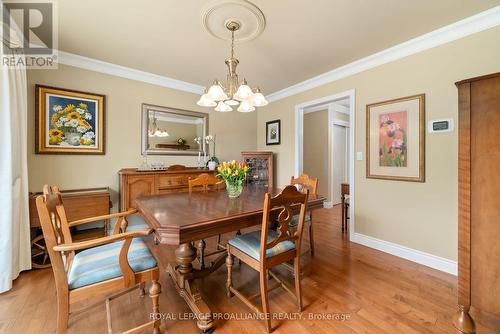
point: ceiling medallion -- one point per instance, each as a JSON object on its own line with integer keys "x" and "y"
{"x": 219, "y": 12}
{"x": 234, "y": 94}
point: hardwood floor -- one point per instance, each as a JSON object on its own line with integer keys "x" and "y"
{"x": 379, "y": 293}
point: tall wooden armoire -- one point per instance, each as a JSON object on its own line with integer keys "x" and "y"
{"x": 479, "y": 204}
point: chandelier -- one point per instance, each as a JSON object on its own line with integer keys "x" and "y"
{"x": 155, "y": 131}
{"x": 234, "y": 94}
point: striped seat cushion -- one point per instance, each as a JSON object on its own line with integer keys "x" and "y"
{"x": 249, "y": 243}
{"x": 100, "y": 263}
{"x": 295, "y": 220}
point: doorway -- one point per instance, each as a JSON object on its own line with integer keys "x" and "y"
{"x": 338, "y": 160}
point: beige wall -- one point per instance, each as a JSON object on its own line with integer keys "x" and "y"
{"x": 316, "y": 148}
{"x": 235, "y": 131}
{"x": 421, "y": 216}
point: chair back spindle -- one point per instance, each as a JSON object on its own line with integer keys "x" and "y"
{"x": 306, "y": 182}
{"x": 204, "y": 181}
{"x": 56, "y": 230}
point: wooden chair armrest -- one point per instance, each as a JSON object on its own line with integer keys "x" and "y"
{"x": 104, "y": 217}
{"x": 100, "y": 241}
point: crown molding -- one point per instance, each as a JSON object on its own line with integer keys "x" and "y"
{"x": 463, "y": 28}
{"x": 468, "y": 26}
{"x": 95, "y": 65}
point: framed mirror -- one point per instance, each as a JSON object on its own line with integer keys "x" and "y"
{"x": 171, "y": 131}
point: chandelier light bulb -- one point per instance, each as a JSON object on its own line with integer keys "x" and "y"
{"x": 163, "y": 134}
{"x": 245, "y": 106}
{"x": 222, "y": 107}
{"x": 206, "y": 101}
{"x": 244, "y": 92}
{"x": 216, "y": 93}
{"x": 258, "y": 99}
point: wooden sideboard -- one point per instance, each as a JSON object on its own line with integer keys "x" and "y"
{"x": 134, "y": 183}
{"x": 78, "y": 204}
{"x": 478, "y": 205}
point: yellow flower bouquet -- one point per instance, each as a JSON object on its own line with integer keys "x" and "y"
{"x": 234, "y": 174}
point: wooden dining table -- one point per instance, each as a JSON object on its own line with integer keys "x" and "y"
{"x": 183, "y": 218}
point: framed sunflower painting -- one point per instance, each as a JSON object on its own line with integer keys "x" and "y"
{"x": 395, "y": 139}
{"x": 68, "y": 121}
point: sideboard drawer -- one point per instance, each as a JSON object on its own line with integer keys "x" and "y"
{"x": 171, "y": 190}
{"x": 174, "y": 181}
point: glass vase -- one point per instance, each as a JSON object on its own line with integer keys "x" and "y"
{"x": 234, "y": 189}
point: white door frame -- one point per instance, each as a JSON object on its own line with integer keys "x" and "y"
{"x": 321, "y": 104}
{"x": 346, "y": 125}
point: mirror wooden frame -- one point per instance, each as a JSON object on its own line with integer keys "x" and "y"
{"x": 146, "y": 108}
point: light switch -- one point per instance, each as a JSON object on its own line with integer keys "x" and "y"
{"x": 359, "y": 156}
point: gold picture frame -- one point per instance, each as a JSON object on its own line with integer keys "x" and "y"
{"x": 395, "y": 139}
{"x": 69, "y": 121}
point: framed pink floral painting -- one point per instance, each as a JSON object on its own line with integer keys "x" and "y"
{"x": 395, "y": 139}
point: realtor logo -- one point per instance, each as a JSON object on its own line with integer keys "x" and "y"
{"x": 29, "y": 34}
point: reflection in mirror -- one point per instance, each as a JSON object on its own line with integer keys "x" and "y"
{"x": 173, "y": 131}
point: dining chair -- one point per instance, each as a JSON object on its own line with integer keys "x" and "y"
{"x": 305, "y": 182}
{"x": 204, "y": 183}
{"x": 112, "y": 265}
{"x": 267, "y": 248}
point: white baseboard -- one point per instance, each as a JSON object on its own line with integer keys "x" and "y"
{"x": 407, "y": 253}
{"x": 327, "y": 205}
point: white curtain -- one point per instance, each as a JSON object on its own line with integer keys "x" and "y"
{"x": 15, "y": 248}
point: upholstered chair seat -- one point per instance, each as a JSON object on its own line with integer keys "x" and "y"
{"x": 101, "y": 263}
{"x": 249, "y": 243}
{"x": 295, "y": 220}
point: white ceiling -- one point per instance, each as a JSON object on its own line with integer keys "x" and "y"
{"x": 302, "y": 38}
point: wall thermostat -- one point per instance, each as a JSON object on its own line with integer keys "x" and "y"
{"x": 440, "y": 125}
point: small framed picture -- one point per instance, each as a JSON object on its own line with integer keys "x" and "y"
{"x": 273, "y": 132}
{"x": 68, "y": 121}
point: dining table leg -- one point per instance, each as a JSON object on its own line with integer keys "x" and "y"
{"x": 183, "y": 276}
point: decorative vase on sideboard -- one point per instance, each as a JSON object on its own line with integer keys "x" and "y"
{"x": 212, "y": 165}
